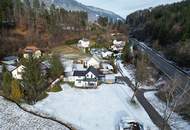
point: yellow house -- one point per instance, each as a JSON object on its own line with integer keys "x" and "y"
{"x": 32, "y": 51}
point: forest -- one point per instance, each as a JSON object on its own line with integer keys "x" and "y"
{"x": 25, "y": 22}
{"x": 165, "y": 28}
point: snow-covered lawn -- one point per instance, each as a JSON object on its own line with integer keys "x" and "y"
{"x": 97, "y": 109}
{"x": 14, "y": 118}
{"x": 176, "y": 121}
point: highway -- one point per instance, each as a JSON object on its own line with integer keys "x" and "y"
{"x": 170, "y": 70}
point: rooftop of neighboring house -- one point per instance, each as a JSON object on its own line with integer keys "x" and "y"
{"x": 10, "y": 68}
{"x": 79, "y": 73}
{"x": 93, "y": 70}
{"x": 31, "y": 49}
{"x": 84, "y": 39}
{"x": 9, "y": 58}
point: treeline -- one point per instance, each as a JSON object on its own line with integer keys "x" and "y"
{"x": 167, "y": 28}
{"x": 37, "y": 22}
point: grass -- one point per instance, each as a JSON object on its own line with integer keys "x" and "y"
{"x": 56, "y": 88}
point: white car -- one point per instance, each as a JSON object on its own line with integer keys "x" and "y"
{"x": 129, "y": 124}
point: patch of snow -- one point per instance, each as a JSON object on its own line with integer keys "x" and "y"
{"x": 97, "y": 109}
{"x": 176, "y": 121}
{"x": 79, "y": 67}
{"x": 14, "y": 118}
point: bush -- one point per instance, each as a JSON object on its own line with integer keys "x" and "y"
{"x": 16, "y": 92}
{"x": 56, "y": 88}
{"x": 6, "y": 84}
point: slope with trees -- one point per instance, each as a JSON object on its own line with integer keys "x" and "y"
{"x": 23, "y": 22}
{"x": 166, "y": 28}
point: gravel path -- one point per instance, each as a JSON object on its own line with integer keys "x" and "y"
{"x": 14, "y": 118}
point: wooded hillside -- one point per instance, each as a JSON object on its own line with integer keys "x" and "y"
{"x": 166, "y": 28}
{"x": 30, "y": 21}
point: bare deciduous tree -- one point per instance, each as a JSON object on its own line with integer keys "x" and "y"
{"x": 173, "y": 97}
{"x": 141, "y": 73}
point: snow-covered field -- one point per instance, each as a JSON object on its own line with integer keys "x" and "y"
{"x": 176, "y": 121}
{"x": 14, "y": 118}
{"x": 97, "y": 109}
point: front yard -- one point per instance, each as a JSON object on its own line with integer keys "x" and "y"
{"x": 97, "y": 109}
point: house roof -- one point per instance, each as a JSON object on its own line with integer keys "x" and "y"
{"x": 21, "y": 68}
{"x": 83, "y": 73}
{"x": 93, "y": 70}
{"x": 8, "y": 58}
{"x": 11, "y": 68}
{"x": 79, "y": 73}
{"x": 31, "y": 49}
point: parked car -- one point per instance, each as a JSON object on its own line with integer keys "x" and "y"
{"x": 129, "y": 124}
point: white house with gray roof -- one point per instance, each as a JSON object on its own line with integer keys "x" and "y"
{"x": 88, "y": 78}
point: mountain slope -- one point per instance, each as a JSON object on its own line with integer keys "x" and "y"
{"x": 166, "y": 28}
{"x": 73, "y": 5}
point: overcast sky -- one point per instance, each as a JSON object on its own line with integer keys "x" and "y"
{"x": 125, "y": 7}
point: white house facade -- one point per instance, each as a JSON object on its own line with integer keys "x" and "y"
{"x": 83, "y": 44}
{"x": 17, "y": 73}
{"x": 93, "y": 61}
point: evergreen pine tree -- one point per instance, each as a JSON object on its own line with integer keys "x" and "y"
{"x": 56, "y": 69}
{"x": 126, "y": 56}
{"x": 33, "y": 80}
